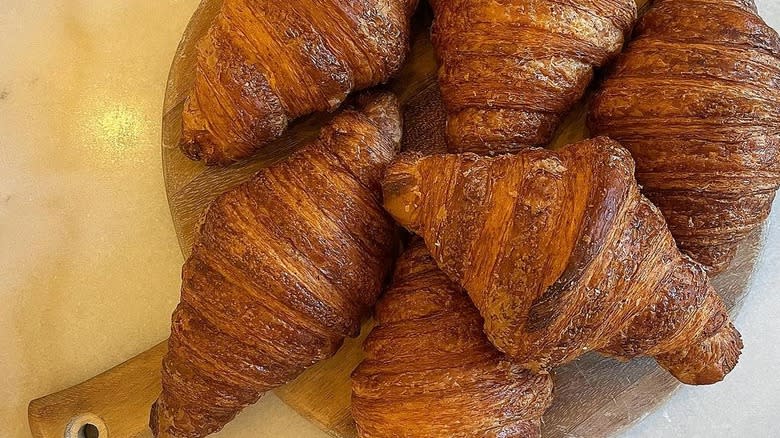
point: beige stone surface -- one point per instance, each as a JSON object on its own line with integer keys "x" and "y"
{"x": 89, "y": 261}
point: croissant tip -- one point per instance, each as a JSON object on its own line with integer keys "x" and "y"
{"x": 197, "y": 148}
{"x": 707, "y": 362}
{"x": 384, "y": 110}
{"x": 191, "y": 150}
{"x": 400, "y": 188}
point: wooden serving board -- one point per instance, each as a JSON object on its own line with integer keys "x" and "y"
{"x": 594, "y": 396}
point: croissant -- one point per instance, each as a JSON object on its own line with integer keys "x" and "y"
{"x": 510, "y": 69}
{"x": 696, "y": 99}
{"x": 562, "y": 254}
{"x": 285, "y": 266}
{"x": 430, "y": 371}
{"x": 264, "y": 63}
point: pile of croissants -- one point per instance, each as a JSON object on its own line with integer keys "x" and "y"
{"x": 522, "y": 258}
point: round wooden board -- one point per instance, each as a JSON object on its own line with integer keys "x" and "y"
{"x": 594, "y": 396}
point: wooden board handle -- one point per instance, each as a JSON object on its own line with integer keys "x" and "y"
{"x": 113, "y": 404}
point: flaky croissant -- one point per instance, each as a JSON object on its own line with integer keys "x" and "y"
{"x": 430, "y": 371}
{"x": 696, "y": 99}
{"x": 510, "y": 69}
{"x": 562, "y": 254}
{"x": 264, "y": 63}
{"x": 285, "y": 266}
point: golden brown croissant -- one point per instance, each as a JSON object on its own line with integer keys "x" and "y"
{"x": 510, "y": 69}
{"x": 696, "y": 99}
{"x": 264, "y": 63}
{"x": 562, "y": 254}
{"x": 431, "y": 372}
{"x": 285, "y": 266}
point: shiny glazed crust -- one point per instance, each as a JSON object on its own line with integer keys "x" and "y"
{"x": 562, "y": 254}
{"x": 264, "y": 63}
{"x": 431, "y": 372}
{"x": 285, "y": 266}
{"x": 696, "y": 99}
{"x": 510, "y": 69}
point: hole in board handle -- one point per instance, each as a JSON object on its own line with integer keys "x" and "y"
{"x": 86, "y": 426}
{"x": 89, "y": 430}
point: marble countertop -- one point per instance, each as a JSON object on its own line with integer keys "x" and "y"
{"x": 89, "y": 258}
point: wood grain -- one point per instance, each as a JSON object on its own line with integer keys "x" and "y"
{"x": 117, "y": 402}
{"x": 594, "y": 396}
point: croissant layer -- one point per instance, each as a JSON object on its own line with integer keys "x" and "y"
{"x": 562, "y": 255}
{"x": 262, "y": 299}
{"x": 510, "y": 69}
{"x": 696, "y": 99}
{"x": 430, "y": 371}
{"x": 264, "y": 63}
